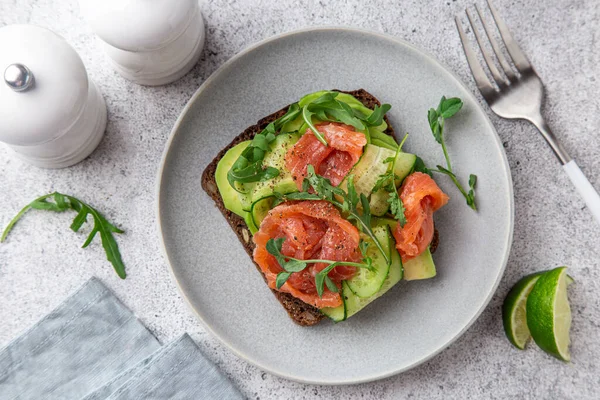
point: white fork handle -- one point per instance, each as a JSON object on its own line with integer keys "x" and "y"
{"x": 585, "y": 188}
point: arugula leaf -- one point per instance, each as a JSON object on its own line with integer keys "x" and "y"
{"x": 363, "y": 246}
{"x": 366, "y": 215}
{"x": 436, "y": 118}
{"x": 397, "y": 208}
{"x": 248, "y": 167}
{"x": 376, "y": 118}
{"x": 307, "y": 117}
{"x": 387, "y": 182}
{"x": 63, "y": 202}
{"x": 329, "y": 108}
{"x": 291, "y": 265}
{"x": 352, "y": 197}
{"x": 299, "y": 196}
{"x": 291, "y": 114}
{"x": 421, "y": 167}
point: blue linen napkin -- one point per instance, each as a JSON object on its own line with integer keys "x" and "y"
{"x": 177, "y": 371}
{"x": 93, "y": 346}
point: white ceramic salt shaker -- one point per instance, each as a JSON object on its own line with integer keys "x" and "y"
{"x": 51, "y": 114}
{"x": 150, "y": 42}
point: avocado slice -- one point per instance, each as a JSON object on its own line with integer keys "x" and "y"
{"x": 283, "y": 183}
{"x": 231, "y": 198}
{"x": 420, "y": 267}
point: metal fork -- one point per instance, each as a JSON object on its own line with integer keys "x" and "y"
{"x": 519, "y": 95}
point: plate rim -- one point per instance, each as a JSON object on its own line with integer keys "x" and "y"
{"x": 177, "y": 126}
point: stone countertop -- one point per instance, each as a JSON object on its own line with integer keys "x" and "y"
{"x": 42, "y": 263}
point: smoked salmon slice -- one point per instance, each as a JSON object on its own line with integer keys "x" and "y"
{"x": 312, "y": 230}
{"x": 334, "y": 161}
{"x": 421, "y": 197}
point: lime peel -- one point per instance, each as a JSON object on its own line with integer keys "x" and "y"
{"x": 549, "y": 313}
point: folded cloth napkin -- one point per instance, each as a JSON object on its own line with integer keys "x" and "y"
{"x": 177, "y": 371}
{"x": 93, "y": 346}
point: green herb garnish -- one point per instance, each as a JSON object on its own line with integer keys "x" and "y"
{"x": 347, "y": 202}
{"x": 248, "y": 167}
{"x": 329, "y": 108}
{"x": 437, "y": 117}
{"x": 63, "y": 202}
{"x": 388, "y": 182}
{"x": 421, "y": 167}
{"x": 291, "y": 265}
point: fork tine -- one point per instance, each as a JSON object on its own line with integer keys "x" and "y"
{"x": 482, "y": 81}
{"x": 486, "y": 55}
{"x": 505, "y": 65}
{"x": 517, "y": 55}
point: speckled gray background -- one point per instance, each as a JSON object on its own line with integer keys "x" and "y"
{"x": 41, "y": 263}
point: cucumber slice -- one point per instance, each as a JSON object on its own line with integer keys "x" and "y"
{"x": 405, "y": 162}
{"x": 250, "y": 223}
{"x": 368, "y": 169}
{"x": 232, "y": 200}
{"x": 338, "y": 313}
{"x": 371, "y": 173}
{"x": 260, "y": 209}
{"x": 379, "y": 203}
{"x": 353, "y": 303}
{"x": 403, "y": 167}
{"x": 366, "y": 283}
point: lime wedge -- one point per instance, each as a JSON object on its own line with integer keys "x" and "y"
{"x": 514, "y": 314}
{"x": 549, "y": 313}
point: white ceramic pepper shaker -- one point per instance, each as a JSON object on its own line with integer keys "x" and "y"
{"x": 51, "y": 114}
{"x": 150, "y": 42}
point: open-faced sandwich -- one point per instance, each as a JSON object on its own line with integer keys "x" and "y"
{"x": 329, "y": 207}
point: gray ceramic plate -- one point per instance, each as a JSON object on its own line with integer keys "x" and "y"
{"x": 415, "y": 320}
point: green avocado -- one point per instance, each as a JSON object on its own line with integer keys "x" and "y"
{"x": 231, "y": 198}
{"x": 283, "y": 183}
{"x": 420, "y": 267}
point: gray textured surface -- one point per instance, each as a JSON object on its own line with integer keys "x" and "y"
{"x": 41, "y": 262}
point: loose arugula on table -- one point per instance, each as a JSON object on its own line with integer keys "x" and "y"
{"x": 62, "y": 202}
{"x": 291, "y": 265}
{"x": 387, "y": 182}
{"x": 437, "y": 118}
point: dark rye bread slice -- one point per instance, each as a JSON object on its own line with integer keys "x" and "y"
{"x": 302, "y": 313}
